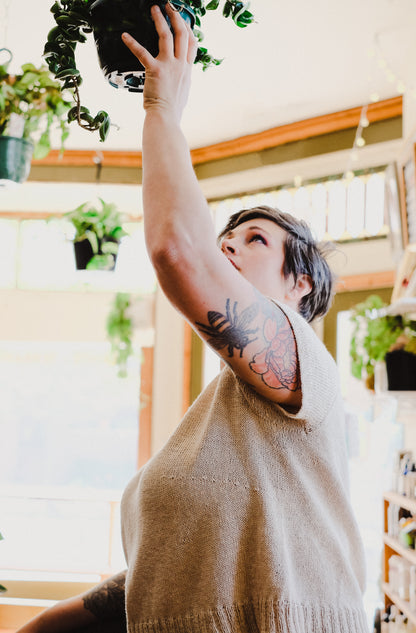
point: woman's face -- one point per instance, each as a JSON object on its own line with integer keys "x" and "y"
{"x": 256, "y": 249}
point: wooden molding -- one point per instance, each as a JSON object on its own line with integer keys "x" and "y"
{"x": 297, "y": 131}
{"x": 366, "y": 281}
{"x": 316, "y": 126}
{"x": 145, "y": 412}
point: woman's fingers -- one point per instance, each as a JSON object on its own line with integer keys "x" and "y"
{"x": 181, "y": 37}
{"x": 142, "y": 54}
{"x": 163, "y": 31}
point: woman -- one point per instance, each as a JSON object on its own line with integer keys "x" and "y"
{"x": 241, "y": 523}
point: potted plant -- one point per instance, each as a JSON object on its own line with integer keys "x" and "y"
{"x": 98, "y": 232}
{"x": 31, "y": 104}
{"x": 120, "y": 331}
{"x": 107, "y": 19}
{"x": 381, "y": 337}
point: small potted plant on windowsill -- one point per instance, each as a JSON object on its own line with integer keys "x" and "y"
{"x": 107, "y": 19}
{"x": 98, "y": 232}
{"x": 31, "y": 104}
{"x": 380, "y": 337}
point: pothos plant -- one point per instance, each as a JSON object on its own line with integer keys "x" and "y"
{"x": 102, "y": 227}
{"x": 373, "y": 336}
{"x": 120, "y": 331}
{"x": 34, "y": 101}
{"x": 73, "y": 24}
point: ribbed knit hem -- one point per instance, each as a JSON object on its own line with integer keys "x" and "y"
{"x": 261, "y": 617}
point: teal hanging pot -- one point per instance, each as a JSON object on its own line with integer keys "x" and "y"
{"x": 15, "y": 159}
{"x": 110, "y": 18}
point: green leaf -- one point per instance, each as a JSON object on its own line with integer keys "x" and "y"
{"x": 2, "y": 589}
{"x": 67, "y": 72}
{"x": 211, "y": 6}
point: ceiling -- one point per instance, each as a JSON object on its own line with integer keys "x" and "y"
{"x": 300, "y": 59}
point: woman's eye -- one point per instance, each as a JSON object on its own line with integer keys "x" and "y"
{"x": 257, "y": 238}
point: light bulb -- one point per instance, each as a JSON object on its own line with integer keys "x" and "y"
{"x": 360, "y": 142}
{"x": 349, "y": 175}
{"x": 364, "y": 122}
{"x": 297, "y": 181}
{"x": 374, "y": 97}
{"x": 401, "y": 87}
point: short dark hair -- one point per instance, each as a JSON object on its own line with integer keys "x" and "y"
{"x": 303, "y": 255}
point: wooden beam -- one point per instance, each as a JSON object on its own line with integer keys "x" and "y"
{"x": 145, "y": 412}
{"x": 289, "y": 133}
{"x": 367, "y": 281}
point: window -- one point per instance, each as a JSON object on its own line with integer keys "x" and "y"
{"x": 336, "y": 208}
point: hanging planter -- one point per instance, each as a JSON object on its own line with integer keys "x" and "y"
{"x": 97, "y": 235}
{"x": 107, "y": 19}
{"x": 401, "y": 370}
{"x": 31, "y": 104}
{"x": 15, "y": 159}
{"x": 120, "y": 67}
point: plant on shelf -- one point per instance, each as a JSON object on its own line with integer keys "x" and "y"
{"x": 32, "y": 102}
{"x": 120, "y": 331}
{"x": 98, "y": 232}
{"x": 376, "y": 336}
{"x": 107, "y": 19}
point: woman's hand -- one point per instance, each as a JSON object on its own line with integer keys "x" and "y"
{"x": 168, "y": 76}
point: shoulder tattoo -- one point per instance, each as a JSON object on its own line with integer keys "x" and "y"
{"x": 107, "y": 600}
{"x": 277, "y": 363}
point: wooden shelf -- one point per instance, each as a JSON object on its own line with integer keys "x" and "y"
{"x": 402, "y": 605}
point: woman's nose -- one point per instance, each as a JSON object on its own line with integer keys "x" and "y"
{"x": 228, "y": 246}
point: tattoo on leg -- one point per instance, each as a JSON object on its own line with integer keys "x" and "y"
{"x": 230, "y": 329}
{"x": 107, "y": 600}
{"x": 277, "y": 362}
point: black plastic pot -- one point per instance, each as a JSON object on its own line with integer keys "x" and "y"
{"x": 15, "y": 159}
{"x": 401, "y": 370}
{"x": 84, "y": 253}
{"x": 110, "y": 18}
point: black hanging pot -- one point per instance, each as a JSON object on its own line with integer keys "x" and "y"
{"x": 110, "y": 18}
{"x": 15, "y": 159}
{"x": 84, "y": 253}
{"x": 401, "y": 370}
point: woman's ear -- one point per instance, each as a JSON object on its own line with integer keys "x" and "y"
{"x": 302, "y": 287}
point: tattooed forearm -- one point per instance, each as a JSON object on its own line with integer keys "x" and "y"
{"x": 230, "y": 329}
{"x": 277, "y": 363}
{"x": 107, "y": 600}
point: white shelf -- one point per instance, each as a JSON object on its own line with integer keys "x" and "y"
{"x": 402, "y": 605}
{"x": 404, "y": 552}
{"x": 401, "y": 500}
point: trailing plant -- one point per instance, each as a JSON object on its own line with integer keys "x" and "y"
{"x": 73, "y": 25}
{"x": 120, "y": 331}
{"x": 102, "y": 227}
{"x": 36, "y": 102}
{"x": 373, "y": 336}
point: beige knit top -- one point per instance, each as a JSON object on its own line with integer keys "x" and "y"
{"x": 241, "y": 523}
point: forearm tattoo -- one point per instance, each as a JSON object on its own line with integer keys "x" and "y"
{"x": 230, "y": 329}
{"x": 107, "y": 600}
{"x": 277, "y": 362}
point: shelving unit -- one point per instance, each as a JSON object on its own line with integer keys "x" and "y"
{"x": 392, "y": 546}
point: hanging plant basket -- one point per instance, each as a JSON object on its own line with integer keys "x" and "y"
{"x": 85, "y": 258}
{"x": 401, "y": 370}
{"x": 15, "y": 159}
{"x": 110, "y": 18}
